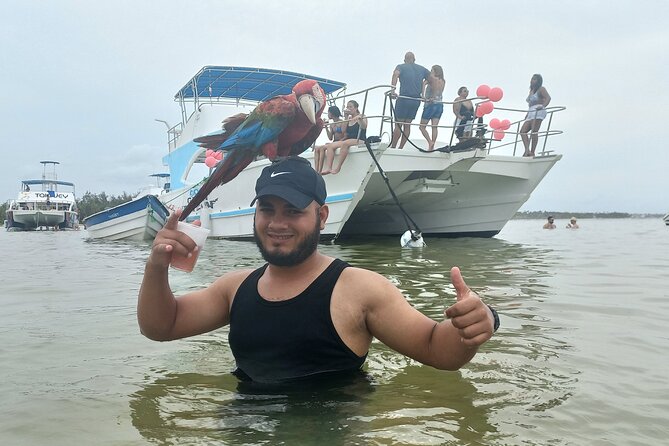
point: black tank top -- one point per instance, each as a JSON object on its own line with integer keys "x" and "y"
{"x": 289, "y": 339}
{"x": 352, "y": 132}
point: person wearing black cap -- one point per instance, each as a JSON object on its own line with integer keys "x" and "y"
{"x": 304, "y": 314}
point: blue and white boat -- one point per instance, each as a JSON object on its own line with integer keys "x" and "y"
{"x": 447, "y": 193}
{"x": 44, "y": 204}
{"x": 139, "y": 219}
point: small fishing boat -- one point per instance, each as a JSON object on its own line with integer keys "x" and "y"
{"x": 139, "y": 219}
{"x": 44, "y": 204}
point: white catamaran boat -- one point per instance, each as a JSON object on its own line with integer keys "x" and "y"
{"x": 458, "y": 190}
{"x": 44, "y": 204}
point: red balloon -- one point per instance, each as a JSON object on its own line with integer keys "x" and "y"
{"x": 483, "y": 91}
{"x": 498, "y": 135}
{"x": 210, "y": 161}
{"x": 487, "y": 107}
{"x": 495, "y": 123}
{"x": 495, "y": 94}
{"x": 479, "y": 112}
{"x": 505, "y": 124}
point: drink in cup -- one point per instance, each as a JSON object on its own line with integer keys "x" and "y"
{"x": 199, "y": 236}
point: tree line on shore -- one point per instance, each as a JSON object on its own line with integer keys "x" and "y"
{"x": 91, "y": 203}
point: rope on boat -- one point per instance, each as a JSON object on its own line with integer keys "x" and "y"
{"x": 415, "y": 231}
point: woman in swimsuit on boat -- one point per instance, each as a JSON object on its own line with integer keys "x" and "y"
{"x": 538, "y": 100}
{"x": 335, "y": 131}
{"x": 433, "y": 87}
{"x": 356, "y": 133}
{"x": 463, "y": 109}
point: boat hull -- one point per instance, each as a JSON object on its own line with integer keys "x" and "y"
{"x": 469, "y": 194}
{"x": 139, "y": 219}
{"x": 228, "y": 213}
{"x": 465, "y": 194}
{"x": 23, "y": 220}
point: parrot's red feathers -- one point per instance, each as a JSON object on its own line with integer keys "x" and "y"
{"x": 277, "y": 127}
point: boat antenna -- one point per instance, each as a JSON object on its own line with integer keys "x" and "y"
{"x": 164, "y": 122}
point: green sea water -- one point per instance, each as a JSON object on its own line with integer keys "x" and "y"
{"x": 581, "y": 356}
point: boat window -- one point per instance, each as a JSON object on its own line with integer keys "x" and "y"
{"x": 196, "y": 173}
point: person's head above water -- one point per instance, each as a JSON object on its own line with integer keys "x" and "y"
{"x": 294, "y": 180}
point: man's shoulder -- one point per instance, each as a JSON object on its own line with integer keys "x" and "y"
{"x": 361, "y": 278}
{"x": 233, "y": 278}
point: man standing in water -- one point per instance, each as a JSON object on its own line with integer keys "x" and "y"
{"x": 303, "y": 313}
{"x": 411, "y": 77}
{"x": 550, "y": 223}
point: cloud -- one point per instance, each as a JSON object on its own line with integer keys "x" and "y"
{"x": 83, "y": 82}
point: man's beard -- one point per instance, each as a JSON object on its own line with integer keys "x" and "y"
{"x": 298, "y": 255}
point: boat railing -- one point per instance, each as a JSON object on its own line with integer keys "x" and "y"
{"x": 542, "y": 134}
{"x": 368, "y": 99}
{"x": 386, "y": 117}
{"x": 173, "y": 134}
{"x": 40, "y": 206}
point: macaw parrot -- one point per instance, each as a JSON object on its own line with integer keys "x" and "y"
{"x": 282, "y": 126}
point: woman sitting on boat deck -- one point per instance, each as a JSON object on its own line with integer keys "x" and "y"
{"x": 335, "y": 131}
{"x": 356, "y": 133}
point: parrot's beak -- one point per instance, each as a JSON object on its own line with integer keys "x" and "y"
{"x": 309, "y": 106}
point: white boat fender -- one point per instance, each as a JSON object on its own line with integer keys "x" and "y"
{"x": 411, "y": 239}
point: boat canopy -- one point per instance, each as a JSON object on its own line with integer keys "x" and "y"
{"x": 245, "y": 84}
{"x": 61, "y": 183}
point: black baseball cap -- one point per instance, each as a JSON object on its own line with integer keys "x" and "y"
{"x": 294, "y": 180}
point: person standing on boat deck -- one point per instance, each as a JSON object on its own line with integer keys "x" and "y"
{"x": 335, "y": 131}
{"x": 411, "y": 77}
{"x": 572, "y": 224}
{"x": 538, "y": 100}
{"x": 303, "y": 314}
{"x": 356, "y": 133}
{"x": 550, "y": 223}
{"x": 433, "y": 89}
{"x": 463, "y": 109}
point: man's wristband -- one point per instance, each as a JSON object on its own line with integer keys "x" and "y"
{"x": 495, "y": 316}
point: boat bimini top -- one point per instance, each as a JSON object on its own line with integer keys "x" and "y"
{"x": 243, "y": 85}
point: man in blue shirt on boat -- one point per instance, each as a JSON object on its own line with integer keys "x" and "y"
{"x": 303, "y": 314}
{"x": 411, "y": 77}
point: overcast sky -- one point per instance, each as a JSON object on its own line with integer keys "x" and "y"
{"x": 82, "y": 81}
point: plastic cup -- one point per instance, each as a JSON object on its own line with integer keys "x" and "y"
{"x": 199, "y": 236}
